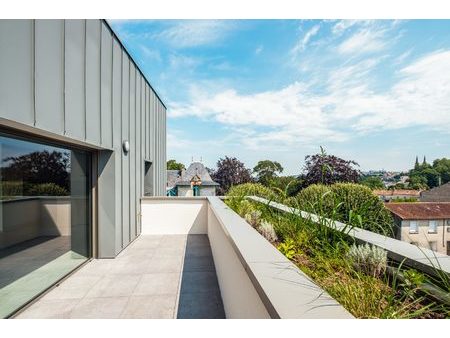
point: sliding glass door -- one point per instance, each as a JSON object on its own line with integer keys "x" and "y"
{"x": 45, "y": 217}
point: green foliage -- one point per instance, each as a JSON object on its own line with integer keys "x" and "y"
{"x": 287, "y": 248}
{"x": 48, "y": 189}
{"x": 267, "y": 170}
{"x": 371, "y": 260}
{"x": 174, "y": 165}
{"x": 237, "y": 194}
{"x": 253, "y": 218}
{"x": 350, "y": 203}
{"x": 28, "y": 189}
{"x": 267, "y": 230}
{"x": 286, "y": 185}
{"x": 429, "y": 176}
{"x": 324, "y": 255}
{"x": 404, "y": 200}
{"x": 10, "y": 188}
{"x": 373, "y": 182}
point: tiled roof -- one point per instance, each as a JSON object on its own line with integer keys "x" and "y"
{"x": 395, "y": 192}
{"x": 184, "y": 177}
{"x": 420, "y": 210}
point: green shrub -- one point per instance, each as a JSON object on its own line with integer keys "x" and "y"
{"x": 11, "y": 188}
{"x": 349, "y": 203}
{"x": 47, "y": 189}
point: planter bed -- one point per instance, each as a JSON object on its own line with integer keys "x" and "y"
{"x": 373, "y": 288}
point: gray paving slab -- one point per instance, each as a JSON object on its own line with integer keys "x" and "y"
{"x": 164, "y": 276}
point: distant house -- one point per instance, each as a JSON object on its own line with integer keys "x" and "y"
{"x": 423, "y": 223}
{"x": 438, "y": 194}
{"x": 388, "y": 195}
{"x": 194, "y": 181}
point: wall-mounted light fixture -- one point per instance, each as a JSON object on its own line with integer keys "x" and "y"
{"x": 126, "y": 146}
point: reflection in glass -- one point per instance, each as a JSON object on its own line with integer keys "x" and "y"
{"x": 44, "y": 217}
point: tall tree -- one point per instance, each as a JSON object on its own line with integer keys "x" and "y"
{"x": 174, "y": 165}
{"x": 39, "y": 167}
{"x": 328, "y": 169}
{"x": 417, "y": 165}
{"x": 230, "y": 171}
{"x": 266, "y": 171}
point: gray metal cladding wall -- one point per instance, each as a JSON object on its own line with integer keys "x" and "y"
{"x": 74, "y": 79}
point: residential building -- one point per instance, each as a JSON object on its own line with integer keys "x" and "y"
{"x": 426, "y": 224}
{"x": 193, "y": 181}
{"x": 388, "y": 195}
{"x": 438, "y": 194}
{"x": 82, "y": 139}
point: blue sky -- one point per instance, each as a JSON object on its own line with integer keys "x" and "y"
{"x": 377, "y": 92}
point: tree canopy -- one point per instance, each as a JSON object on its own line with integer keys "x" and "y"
{"x": 426, "y": 175}
{"x": 230, "y": 171}
{"x": 329, "y": 169}
{"x": 174, "y": 165}
{"x": 266, "y": 171}
{"x": 373, "y": 182}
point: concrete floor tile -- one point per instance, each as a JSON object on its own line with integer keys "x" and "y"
{"x": 156, "y": 306}
{"x": 114, "y": 286}
{"x": 157, "y": 284}
{"x": 106, "y": 307}
{"x": 75, "y": 287}
{"x": 166, "y": 264}
{"x": 50, "y": 309}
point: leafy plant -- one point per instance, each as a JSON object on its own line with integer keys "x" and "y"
{"x": 253, "y": 218}
{"x": 287, "y": 248}
{"x": 266, "y": 229}
{"x": 371, "y": 260}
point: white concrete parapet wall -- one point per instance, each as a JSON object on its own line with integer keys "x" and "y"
{"x": 174, "y": 215}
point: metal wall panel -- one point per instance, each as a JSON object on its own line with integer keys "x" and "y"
{"x": 49, "y": 75}
{"x": 106, "y": 87}
{"x": 117, "y": 138}
{"x": 17, "y": 70}
{"x": 74, "y": 72}
{"x": 93, "y": 119}
{"x": 72, "y": 78}
{"x": 139, "y": 159}
{"x": 125, "y": 157}
{"x": 132, "y": 154}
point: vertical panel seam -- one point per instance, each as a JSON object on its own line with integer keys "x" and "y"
{"x": 100, "y": 78}
{"x": 64, "y": 76}
{"x": 33, "y": 42}
{"x": 112, "y": 91}
{"x": 129, "y": 157}
{"x": 84, "y": 80}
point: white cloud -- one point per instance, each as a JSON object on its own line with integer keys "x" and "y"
{"x": 346, "y": 107}
{"x": 259, "y": 49}
{"x": 191, "y": 33}
{"x": 364, "y": 41}
{"x": 302, "y": 43}
{"x": 151, "y": 53}
{"x": 342, "y": 25}
{"x": 178, "y": 61}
